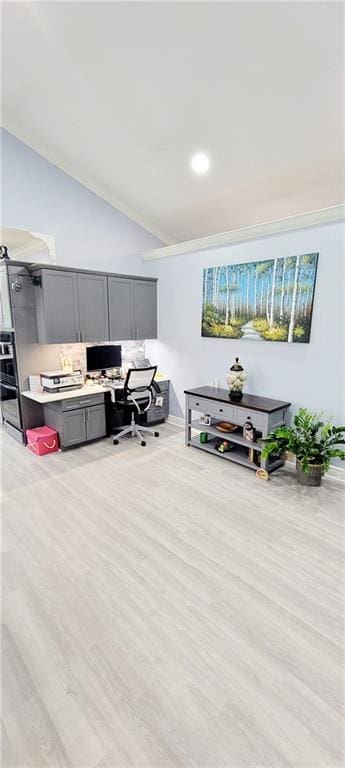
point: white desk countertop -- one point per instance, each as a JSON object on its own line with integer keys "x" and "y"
{"x": 85, "y": 391}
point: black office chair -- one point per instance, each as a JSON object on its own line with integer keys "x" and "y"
{"x": 137, "y": 393}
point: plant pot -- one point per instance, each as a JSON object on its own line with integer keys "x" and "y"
{"x": 313, "y": 477}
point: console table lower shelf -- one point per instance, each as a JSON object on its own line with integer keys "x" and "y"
{"x": 265, "y": 414}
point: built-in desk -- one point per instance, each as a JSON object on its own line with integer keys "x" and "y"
{"x": 264, "y": 413}
{"x": 85, "y": 414}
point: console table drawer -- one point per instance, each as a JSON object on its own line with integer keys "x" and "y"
{"x": 223, "y": 411}
{"x": 219, "y": 411}
{"x": 258, "y": 420}
{"x": 199, "y": 404}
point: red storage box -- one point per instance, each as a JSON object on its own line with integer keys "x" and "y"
{"x": 42, "y": 440}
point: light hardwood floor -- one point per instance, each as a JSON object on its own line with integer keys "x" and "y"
{"x": 162, "y": 607}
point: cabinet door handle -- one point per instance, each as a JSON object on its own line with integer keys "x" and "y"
{"x": 220, "y": 410}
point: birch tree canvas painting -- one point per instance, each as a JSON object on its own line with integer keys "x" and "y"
{"x": 261, "y": 301}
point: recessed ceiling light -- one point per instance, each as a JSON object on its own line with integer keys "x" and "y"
{"x": 200, "y": 163}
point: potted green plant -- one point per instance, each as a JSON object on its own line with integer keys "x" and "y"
{"x": 313, "y": 442}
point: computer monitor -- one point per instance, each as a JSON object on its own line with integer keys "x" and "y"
{"x": 103, "y": 357}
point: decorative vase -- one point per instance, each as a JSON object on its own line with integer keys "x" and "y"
{"x": 235, "y": 380}
{"x": 313, "y": 477}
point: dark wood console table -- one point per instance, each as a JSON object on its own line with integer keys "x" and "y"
{"x": 265, "y": 414}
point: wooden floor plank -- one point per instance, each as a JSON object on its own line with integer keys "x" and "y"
{"x": 164, "y": 608}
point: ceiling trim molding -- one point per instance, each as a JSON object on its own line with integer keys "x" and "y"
{"x": 17, "y": 254}
{"x": 49, "y": 241}
{"x": 37, "y": 245}
{"x": 67, "y": 167}
{"x": 309, "y": 219}
{"x": 108, "y": 197}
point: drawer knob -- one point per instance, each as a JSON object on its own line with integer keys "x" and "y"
{"x": 196, "y": 403}
{"x": 220, "y": 410}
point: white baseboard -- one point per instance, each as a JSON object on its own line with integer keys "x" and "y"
{"x": 177, "y": 421}
{"x": 334, "y": 473}
{"x": 337, "y": 473}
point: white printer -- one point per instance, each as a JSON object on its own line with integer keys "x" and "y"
{"x": 60, "y": 381}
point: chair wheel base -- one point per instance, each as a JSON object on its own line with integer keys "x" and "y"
{"x": 143, "y": 443}
{"x": 156, "y": 434}
{"x": 115, "y": 441}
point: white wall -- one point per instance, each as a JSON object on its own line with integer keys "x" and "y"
{"x": 89, "y": 233}
{"x": 309, "y": 375}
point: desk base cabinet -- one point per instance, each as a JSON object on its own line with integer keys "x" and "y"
{"x": 158, "y": 413}
{"x": 75, "y": 422}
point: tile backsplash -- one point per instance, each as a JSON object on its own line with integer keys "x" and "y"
{"x": 130, "y": 350}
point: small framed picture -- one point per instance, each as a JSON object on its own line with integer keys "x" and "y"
{"x": 249, "y": 431}
{"x": 205, "y": 420}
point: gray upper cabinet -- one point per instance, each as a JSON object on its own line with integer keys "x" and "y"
{"x": 132, "y": 308}
{"x": 93, "y": 307}
{"x": 57, "y": 307}
{"x": 145, "y": 309}
{"x": 88, "y": 306}
{"x": 121, "y": 322}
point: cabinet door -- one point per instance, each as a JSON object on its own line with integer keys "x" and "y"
{"x": 145, "y": 309}
{"x": 93, "y": 307}
{"x": 5, "y": 305}
{"x": 95, "y": 421}
{"x": 74, "y": 427}
{"x": 121, "y": 322}
{"x": 57, "y": 307}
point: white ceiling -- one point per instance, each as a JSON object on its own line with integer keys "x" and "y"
{"x": 23, "y": 245}
{"x": 119, "y": 95}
